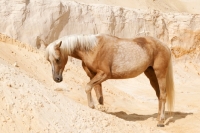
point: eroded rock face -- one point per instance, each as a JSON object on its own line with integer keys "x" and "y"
{"x": 39, "y": 22}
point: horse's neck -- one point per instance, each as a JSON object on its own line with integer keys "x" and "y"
{"x": 85, "y": 56}
{"x": 78, "y": 54}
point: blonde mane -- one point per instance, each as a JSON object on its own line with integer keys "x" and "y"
{"x": 82, "y": 42}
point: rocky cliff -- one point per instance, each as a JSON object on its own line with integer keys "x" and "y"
{"x": 39, "y": 22}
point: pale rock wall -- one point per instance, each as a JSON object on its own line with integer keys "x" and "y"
{"x": 39, "y": 22}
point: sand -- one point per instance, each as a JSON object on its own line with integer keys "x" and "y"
{"x": 32, "y": 102}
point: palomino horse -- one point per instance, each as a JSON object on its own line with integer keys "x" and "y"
{"x": 108, "y": 57}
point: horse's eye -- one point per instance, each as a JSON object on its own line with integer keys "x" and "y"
{"x": 57, "y": 60}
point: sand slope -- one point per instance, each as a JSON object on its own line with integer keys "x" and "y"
{"x": 32, "y": 102}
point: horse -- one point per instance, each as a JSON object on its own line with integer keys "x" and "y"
{"x": 109, "y": 57}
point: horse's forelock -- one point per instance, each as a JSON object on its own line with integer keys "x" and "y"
{"x": 47, "y": 53}
{"x": 49, "y": 50}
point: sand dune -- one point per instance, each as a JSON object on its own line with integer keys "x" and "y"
{"x": 33, "y": 102}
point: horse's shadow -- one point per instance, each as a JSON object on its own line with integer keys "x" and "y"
{"x": 136, "y": 117}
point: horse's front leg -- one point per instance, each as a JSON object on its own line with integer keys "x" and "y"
{"x": 99, "y": 93}
{"x": 97, "y": 79}
{"x": 97, "y": 88}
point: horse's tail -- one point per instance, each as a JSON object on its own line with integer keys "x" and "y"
{"x": 170, "y": 87}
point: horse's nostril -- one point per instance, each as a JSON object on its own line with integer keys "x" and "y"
{"x": 58, "y": 79}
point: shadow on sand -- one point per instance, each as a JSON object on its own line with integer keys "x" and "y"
{"x": 136, "y": 117}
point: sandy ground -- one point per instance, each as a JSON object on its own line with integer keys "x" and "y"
{"x": 32, "y": 102}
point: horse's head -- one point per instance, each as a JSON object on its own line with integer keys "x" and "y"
{"x": 56, "y": 59}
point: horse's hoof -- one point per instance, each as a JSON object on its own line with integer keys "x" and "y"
{"x": 91, "y": 106}
{"x": 101, "y": 100}
{"x": 160, "y": 125}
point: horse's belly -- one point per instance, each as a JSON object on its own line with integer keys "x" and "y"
{"x": 130, "y": 62}
{"x": 128, "y": 72}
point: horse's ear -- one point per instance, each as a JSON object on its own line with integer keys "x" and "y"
{"x": 60, "y": 43}
{"x": 57, "y": 46}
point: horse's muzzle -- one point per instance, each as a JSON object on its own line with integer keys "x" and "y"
{"x": 58, "y": 79}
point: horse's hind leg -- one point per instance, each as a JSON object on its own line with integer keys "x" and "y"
{"x": 149, "y": 72}
{"x": 161, "y": 77}
{"x": 158, "y": 82}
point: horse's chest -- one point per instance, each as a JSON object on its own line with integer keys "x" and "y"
{"x": 129, "y": 61}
